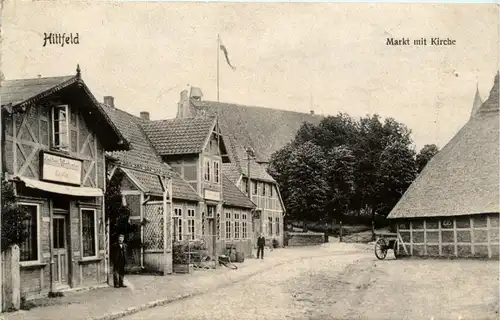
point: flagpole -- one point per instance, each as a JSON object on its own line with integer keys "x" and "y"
{"x": 218, "y": 46}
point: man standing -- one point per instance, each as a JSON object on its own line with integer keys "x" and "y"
{"x": 261, "y": 242}
{"x": 119, "y": 260}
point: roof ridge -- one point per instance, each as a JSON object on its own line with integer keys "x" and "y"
{"x": 41, "y": 78}
{"x": 251, "y": 106}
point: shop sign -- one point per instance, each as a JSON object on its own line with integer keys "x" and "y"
{"x": 212, "y": 195}
{"x": 61, "y": 169}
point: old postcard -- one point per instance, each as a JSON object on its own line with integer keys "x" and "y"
{"x": 189, "y": 160}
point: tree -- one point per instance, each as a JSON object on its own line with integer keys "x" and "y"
{"x": 300, "y": 169}
{"x": 117, "y": 214}
{"x": 341, "y": 166}
{"x": 14, "y": 218}
{"x": 397, "y": 170}
{"x": 425, "y": 155}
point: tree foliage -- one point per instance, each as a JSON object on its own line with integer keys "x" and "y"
{"x": 425, "y": 155}
{"x": 117, "y": 213}
{"x": 14, "y": 218}
{"x": 343, "y": 165}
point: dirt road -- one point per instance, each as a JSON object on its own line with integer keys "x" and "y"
{"x": 351, "y": 286}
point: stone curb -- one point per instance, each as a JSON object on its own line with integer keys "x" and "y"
{"x": 162, "y": 302}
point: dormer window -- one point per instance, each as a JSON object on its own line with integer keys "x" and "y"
{"x": 207, "y": 170}
{"x": 60, "y": 127}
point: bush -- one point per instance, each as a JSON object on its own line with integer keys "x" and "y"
{"x": 13, "y": 218}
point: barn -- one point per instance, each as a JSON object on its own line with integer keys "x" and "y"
{"x": 452, "y": 208}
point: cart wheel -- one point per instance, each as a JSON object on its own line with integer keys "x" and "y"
{"x": 395, "y": 248}
{"x": 381, "y": 249}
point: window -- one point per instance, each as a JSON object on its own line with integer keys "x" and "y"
{"x": 228, "y": 215}
{"x": 236, "y": 216}
{"x": 228, "y": 229}
{"x": 244, "y": 216}
{"x": 60, "y": 127}
{"x": 29, "y": 248}
{"x": 271, "y": 187}
{"x": 211, "y": 211}
{"x": 254, "y": 183}
{"x": 179, "y": 229}
{"x": 207, "y": 170}
{"x": 216, "y": 171}
{"x": 89, "y": 234}
{"x": 236, "y": 229}
{"x": 244, "y": 230}
{"x": 277, "y": 226}
{"x": 190, "y": 221}
{"x": 178, "y": 212}
{"x": 263, "y": 190}
{"x": 245, "y": 185}
{"x": 270, "y": 226}
{"x": 191, "y": 228}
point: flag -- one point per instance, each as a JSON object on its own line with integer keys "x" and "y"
{"x": 223, "y": 48}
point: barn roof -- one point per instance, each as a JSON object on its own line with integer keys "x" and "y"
{"x": 20, "y": 93}
{"x": 265, "y": 130}
{"x": 145, "y": 164}
{"x": 463, "y": 178}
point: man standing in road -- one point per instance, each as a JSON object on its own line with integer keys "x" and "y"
{"x": 119, "y": 260}
{"x": 261, "y": 242}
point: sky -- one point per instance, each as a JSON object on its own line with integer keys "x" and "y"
{"x": 329, "y": 57}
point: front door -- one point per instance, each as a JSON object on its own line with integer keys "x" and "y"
{"x": 60, "y": 251}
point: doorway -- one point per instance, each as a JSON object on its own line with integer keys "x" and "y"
{"x": 60, "y": 251}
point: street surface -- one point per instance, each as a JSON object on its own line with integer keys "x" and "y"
{"x": 350, "y": 286}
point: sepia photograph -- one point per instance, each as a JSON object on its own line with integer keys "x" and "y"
{"x": 249, "y": 160}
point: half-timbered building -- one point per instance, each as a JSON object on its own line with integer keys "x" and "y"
{"x": 452, "y": 208}
{"x": 55, "y": 137}
{"x": 195, "y": 149}
{"x": 262, "y": 130}
{"x": 145, "y": 186}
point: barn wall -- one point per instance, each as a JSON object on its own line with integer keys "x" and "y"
{"x": 462, "y": 236}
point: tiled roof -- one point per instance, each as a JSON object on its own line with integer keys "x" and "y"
{"x": 266, "y": 130}
{"x": 179, "y": 136}
{"x": 20, "y": 90}
{"x": 23, "y": 92}
{"x": 183, "y": 190}
{"x": 462, "y": 179}
{"x": 143, "y": 157}
{"x": 263, "y": 129}
{"x": 233, "y": 196}
{"x": 149, "y": 183}
{"x": 231, "y": 171}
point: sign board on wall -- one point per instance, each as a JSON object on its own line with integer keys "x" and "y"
{"x": 61, "y": 169}
{"x": 212, "y": 195}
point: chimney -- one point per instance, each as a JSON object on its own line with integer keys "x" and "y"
{"x": 184, "y": 108}
{"x": 144, "y": 115}
{"x": 312, "y": 112}
{"x": 109, "y": 101}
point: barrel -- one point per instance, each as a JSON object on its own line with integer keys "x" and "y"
{"x": 240, "y": 257}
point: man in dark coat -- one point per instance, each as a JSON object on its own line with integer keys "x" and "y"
{"x": 261, "y": 242}
{"x": 119, "y": 260}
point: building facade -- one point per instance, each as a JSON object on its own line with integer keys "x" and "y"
{"x": 56, "y": 135}
{"x": 452, "y": 208}
{"x": 152, "y": 190}
{"x": 251, "y": 128}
